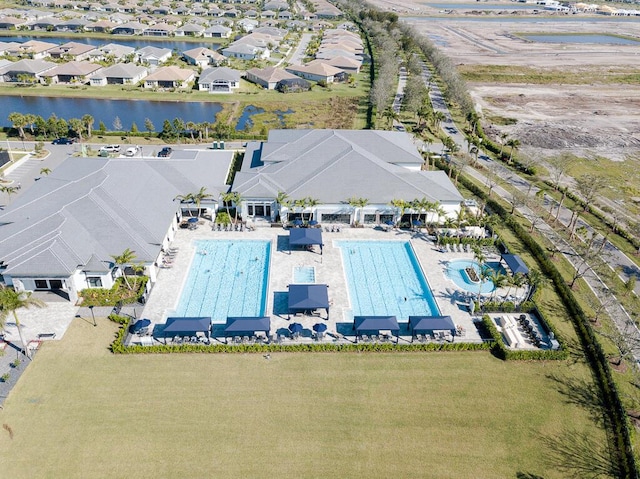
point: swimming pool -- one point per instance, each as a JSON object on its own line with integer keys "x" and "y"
{"x": 226, "y": 278}
{"x": 385, "y": 279}
{"x": 456, "y": 273}
{"x": 304, "y": 274}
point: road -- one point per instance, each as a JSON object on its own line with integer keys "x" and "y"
{"x": 299, "y": 53}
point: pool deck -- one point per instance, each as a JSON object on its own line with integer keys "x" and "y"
{"x": 328, "y": 268}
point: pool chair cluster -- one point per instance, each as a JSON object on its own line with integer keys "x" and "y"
{"x": 231, "y": 227}
{"x": 456, "y": 248}
{"x": 168, "y": 257}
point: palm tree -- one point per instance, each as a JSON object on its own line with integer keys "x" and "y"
{"x": 45, "y": 171}
{"x": 237, "y": 200}
{"x": 282, "y": 200}
{"x": 498, "y": 279}
{"x": 311, "y": 203}
{"x": 10, "y": 302}
{"x": 9, "y": 190}
{"x": 401, "y": 205}
{"x": 358, "y": 203}
{"x": 536, "y": 281}
{"x": 514, "y": 144}
{"x": 201, "y": 195}
{"x": 122, "y": 261}
{"x": 390, "y": 115}
{"x": 88, "y": 121}
{"x": 437, "y": 118}
{"x": 484, "y": 276}
{"x": 503, "y": 137}
{"x": 518, "y": 280}
{"x": 187, "y": 198}
{"x": 18, "y": 121}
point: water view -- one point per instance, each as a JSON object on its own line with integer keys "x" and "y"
{"x": 580, "y": 38}
{"x": 127, "y": 111}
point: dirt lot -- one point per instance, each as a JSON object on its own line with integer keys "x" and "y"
{"x": 594, "y": 116}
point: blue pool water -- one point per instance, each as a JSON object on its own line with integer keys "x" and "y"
{"x": 304, "y": 274}
{"x": 385, "y": 279}
{"x": 456, "y": 273}
{"x": 231, "y": 279}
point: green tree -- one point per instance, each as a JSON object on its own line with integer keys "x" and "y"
{"x": 282, "y": 200}
{"x": 45, "y": 171}
{"x": 77, "y": 126}
{"x": 10, "y": 302}
{"x": 18, "y": 121}
{"x": 358, "y": 204}
{"x": 187, "y": 198}
{"x": 88, "y": 121}
{"x": 514, "y": 144}
{"x": 134, "y": 128}
{"x": 9, "y": 190}
{"x": 122, "y": 261}
{"x": 148, "y": 125}
{"x": 401, "y": 205}
{"x": 200, "y": 196}
{"x": 102, "y": 127}
{"x": 117, "y": 124}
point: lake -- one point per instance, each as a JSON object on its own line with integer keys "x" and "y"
{"x": 137, "y": 43}
{"x": 485, "y": 6}
{"x": 128, "y": 111}
{"x": 579, "y": 38}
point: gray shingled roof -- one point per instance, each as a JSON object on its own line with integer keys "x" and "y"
{"x": 89, "y": 209}
{"x": 333, "y": 165}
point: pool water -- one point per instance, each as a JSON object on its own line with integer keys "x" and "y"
{"x": 226, "y": 278}
{"x": 304, "y": 274}
{"x": 456, "y": 273}
{"x": 384, "y": 278}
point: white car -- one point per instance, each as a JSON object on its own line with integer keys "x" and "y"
{"x": 111, "y": 148}
{"x": 131, "y": 151}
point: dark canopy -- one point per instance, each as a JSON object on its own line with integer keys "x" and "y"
{"x": 515, "y": 264}
{"x": 364, "y": 324}
{"x": 187, "y": 326}
{"x": 429, "y": 324}
{"x": 304, "y": 297}
{"x": 247, "y": 325}
{"x": 305, "y": 236}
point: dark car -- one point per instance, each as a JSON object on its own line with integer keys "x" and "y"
{"x": 63, "y": 141}
{"x": 165, "y": 152}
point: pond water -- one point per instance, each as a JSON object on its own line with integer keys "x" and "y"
{"x": 580, "y": 38}
{"x": 137, "y": 43}
{"x": 128, "y": 111}
{"x": 245, "y": 122}
{"x": 484, "y": 6}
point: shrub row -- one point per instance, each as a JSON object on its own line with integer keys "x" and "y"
{"x": 119, "y": 293}
{"x": 622, "y": 450}
{"x": 118, "y": 346}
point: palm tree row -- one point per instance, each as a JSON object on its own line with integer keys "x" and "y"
{"x": 195, "y": 198}
{"x": 53, "y": 126}
{"x": 431, "y": 209}
{"x": 10, "y": 302}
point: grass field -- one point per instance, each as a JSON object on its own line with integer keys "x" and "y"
{"x": 80, "y": 411}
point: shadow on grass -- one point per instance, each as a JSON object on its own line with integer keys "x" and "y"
{"x": 577, "y": 455}
{"x": 580, "y": 392}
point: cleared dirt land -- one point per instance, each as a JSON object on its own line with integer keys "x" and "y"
{"x": 582, "y": 96}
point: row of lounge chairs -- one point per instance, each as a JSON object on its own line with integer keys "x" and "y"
{"x": 168, "y": 257}
{"x": 456, "y": 248}
{"x": 530, "y": 329}
{"x": 190, "y": 340}
{"x": 374, "y": 338}
{"x": 231, "y": 227}
{"x": 332, "y": 229}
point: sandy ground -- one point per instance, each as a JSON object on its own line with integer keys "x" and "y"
{"x": 591, "y": 119}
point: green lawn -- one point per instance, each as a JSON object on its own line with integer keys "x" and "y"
{"x": 80, "y": 411}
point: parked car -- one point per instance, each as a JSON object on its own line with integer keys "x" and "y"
{"x": 111, "y": 148}
{"x": 131, "y": 151}
{"x": 165, "y": 152}
{"x": 63, "y": 141}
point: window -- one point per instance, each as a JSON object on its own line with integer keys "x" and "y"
{"x": 94, "y": 282}
{"x": 336, "y": 218}
{"x": 369, "y": 219}
{"x": 42, "y": 284}
{"x": 55, "y": 283}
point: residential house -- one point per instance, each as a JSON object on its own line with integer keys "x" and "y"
{"x": 101, "y": 26}
{"x": 119, "y": 74}
{"x": 170, "y": 77}
{"x": 153, "y": 55}
{"x": 217, "y": 31}
{"x": 62, "y": 232}
{"x": 74, "y": 25}
{"x": 245, "y": 52}
{"x": 130, "y": 28}
{"x": 160, "y": 30}
{"x": 203, "y": 57}
{"x": 25, "y": 70}
{"x": 11, "y": 23}
{"x": 47, "y": 24}
{"x": 317, "y": 71}
{"x": 33, "y": 49}
{"x": 219, "y": 80}
{"x": 268, "y": 77}
{"x": 113, "y": 51}
{"x": 72, "y": 72}
{"x": 334, "y": 165}
{"x": 347, "y": 65}
{"x": 247, "y": 24}
{"x": 190, "y": 30}
{"x": 73, "y": 50}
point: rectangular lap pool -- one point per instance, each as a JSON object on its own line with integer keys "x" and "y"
{"x": 226, "y": 278}
{"x": 385, "y": 279}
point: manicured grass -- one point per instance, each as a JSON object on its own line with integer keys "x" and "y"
{"x": 79, "y": 411}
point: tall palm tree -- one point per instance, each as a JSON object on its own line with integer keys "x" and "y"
{"x": 503, "y": 137}
{"x": 45, "y": 171}
{"x": 358, "y": 203}
{"x": 484, "y": 276}
{"x": 438, "y": 117}
{"x": 186, "y": 198}
{"x": 10, "y": 302}
{"x": 123, "y": 260}
{"x": 201, "y": 195}
{"x": 498, "y": 279}
{"x": 536, "y": 281}
{"x": 237, "y": 200}
{"x": 18, "y": 121}
{"x": 401, "y": 205}
{"x": 9, "y": 190}
{"x": 88, "y": 121}
{"x": 514, "y": 144}
{"x": 311, "y": 203}
{"x": 282, "y": 200}
{"x": 300, "y": 204}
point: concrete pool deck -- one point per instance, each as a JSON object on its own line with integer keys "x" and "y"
{"x": 328, "y": 269}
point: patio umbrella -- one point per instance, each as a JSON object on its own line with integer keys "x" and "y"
{"x": 297, "y": 222}
{"x": 313, "y": 222}
{"x": 417, "y": 223}
{"x": 192, "y": 220}
{"x": 295, "y": 327}
{"x": 319, "y": 327}
{"x": 389, "y": 223}
{"x": 140, "y": 325}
